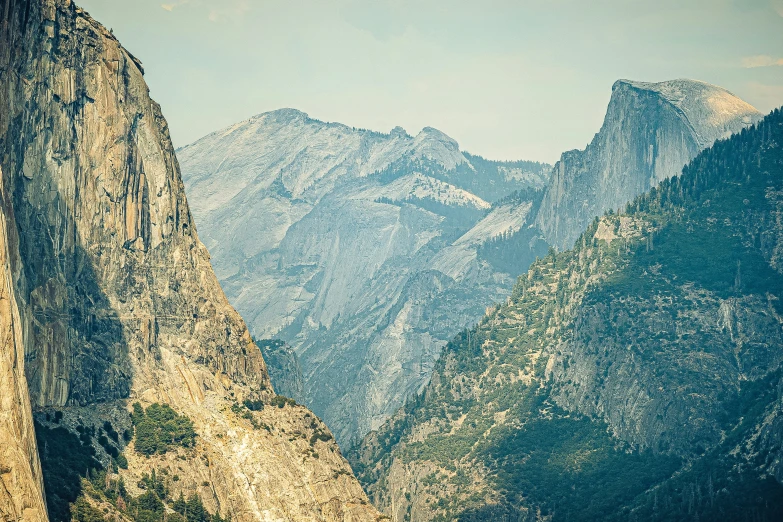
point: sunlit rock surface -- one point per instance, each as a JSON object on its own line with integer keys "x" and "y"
{"x": 357, "y": 248}
{"x": 116, "y": 296}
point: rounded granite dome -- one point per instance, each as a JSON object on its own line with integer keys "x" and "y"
{"x": 710, "y": 111}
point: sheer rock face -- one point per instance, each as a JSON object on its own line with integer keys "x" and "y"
{"x": 651, "y": 130}
{"x": 346, "y": 244}
{"x": 284, "y": 369}
{"x": 116, "y": 294}
{"x": 21, "y": 486}
{"x": 111, "y": 264}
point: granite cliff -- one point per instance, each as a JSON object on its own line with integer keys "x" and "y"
{"x": 651, "y": 130}
{"x": 21, "y": 481}
{"x": 359, "y": 249}
{"x": 116, "y": 298}
{"x": 636, "y": 376}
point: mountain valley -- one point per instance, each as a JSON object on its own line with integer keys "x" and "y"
{"x": 634, "y": 377}
{"x": 376, "y": 326}
{"x": 368, "y": 252}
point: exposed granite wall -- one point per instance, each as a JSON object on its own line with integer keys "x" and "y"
{"x": 650, "y": 131}
{"x": 116, "y": 294}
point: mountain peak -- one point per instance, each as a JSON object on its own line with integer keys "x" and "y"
{"x": 399, "y": 132}
{"x": 285, "y": 115}
{"x": 712, "y": 112}
{"x": 681, "y": 90}
{"x": 429, "y": 134}
{"x": 438, "y": 146}
{"x": 650, "y": 131}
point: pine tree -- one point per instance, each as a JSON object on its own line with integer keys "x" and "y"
{"x": 180, "y": 506}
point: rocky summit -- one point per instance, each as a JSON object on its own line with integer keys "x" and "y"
{"x": 361, "y": 250}
{"x": 651, "y": 130}
{"x": 144, "y": 382}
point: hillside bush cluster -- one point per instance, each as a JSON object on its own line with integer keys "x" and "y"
{"x": 159, "y": 428}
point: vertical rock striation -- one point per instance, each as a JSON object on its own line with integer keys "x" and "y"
{"x": 651, "y": 130}
{"x": 21, "y": 485}
{"x": 117, "y": 298}
{"x": 112, "y": 268}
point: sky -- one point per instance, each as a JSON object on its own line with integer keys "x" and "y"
{"x": 508, "y": 79}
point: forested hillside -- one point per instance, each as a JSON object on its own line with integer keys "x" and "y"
{"x": 638, "y": 374}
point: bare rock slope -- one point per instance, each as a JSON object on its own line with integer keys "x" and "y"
{"x": 358, "y": 248}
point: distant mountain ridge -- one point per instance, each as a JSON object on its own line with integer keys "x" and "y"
{"x": 277, "y": 137}
{"x": 344, "y": 243}
{"x": 366, "y": 251}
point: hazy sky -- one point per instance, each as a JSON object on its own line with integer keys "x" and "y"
{"x": 524, "y": 79}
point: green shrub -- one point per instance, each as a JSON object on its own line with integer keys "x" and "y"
{"x": 159, "y": 428}
{"x": 110, "y": 431}
{"x": 82, "y": 511}
{"x": 280, "y": 401}
{"x": 319, "y": 435}
{"x": 256, "y": 405}
{"x": 122, "y": 462}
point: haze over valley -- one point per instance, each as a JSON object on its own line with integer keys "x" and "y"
{"x": 295, "y": 318}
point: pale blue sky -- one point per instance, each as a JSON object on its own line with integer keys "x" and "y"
{"x": 507, "y": 79}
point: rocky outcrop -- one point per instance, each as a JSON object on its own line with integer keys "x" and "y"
{"x": 635, "y": 376}
{"x": 21, "y": 484}
{"x": 283, "y": 366}
{"x": 357, "y": 248}
{"x": 117, "y": 298}
{"x": 651, "y": 130}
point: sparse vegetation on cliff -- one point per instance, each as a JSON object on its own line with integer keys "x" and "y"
{"x": 77, "y": 485}
{"x": 65, "y": 459}
{"x": 159, "y": 428}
